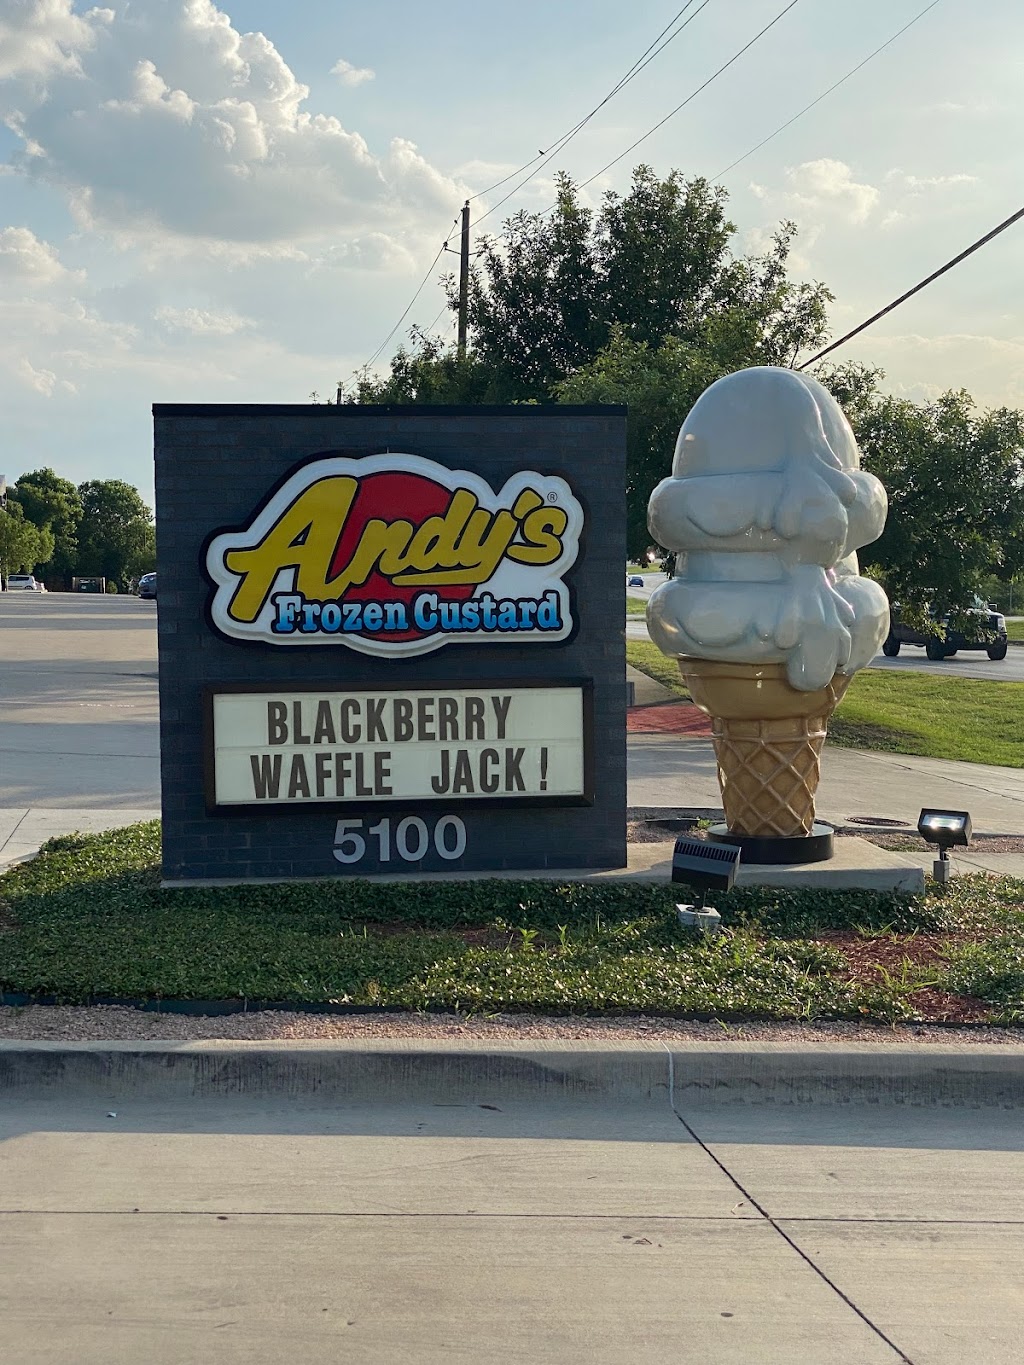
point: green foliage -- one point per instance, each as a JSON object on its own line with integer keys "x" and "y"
{"x": 642, "y": 302}
{"x": 660, "y": 384}
{"x": 22, "y": 545}
{"x": 954, "y": 478}
{"x": 88, "y": 919}
{"x": 118, "y": 541}
{"x": 50, "y": 501}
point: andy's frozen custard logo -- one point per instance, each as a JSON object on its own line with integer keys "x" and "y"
{"x": 393, "y": 554}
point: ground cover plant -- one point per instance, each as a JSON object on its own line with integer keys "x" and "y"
{"x": 87, "y": 920}
{"x": 900, "y": 712}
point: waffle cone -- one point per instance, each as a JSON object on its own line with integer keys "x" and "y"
{"x": 768, "y": 738}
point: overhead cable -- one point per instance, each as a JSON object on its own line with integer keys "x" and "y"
{"x": 672, "y": 112}
{"x": 975, "y": 246}
{"x": 842, "y": 80}
{"x": 563, "y": 142}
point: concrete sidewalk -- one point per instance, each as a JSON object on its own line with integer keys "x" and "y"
{"x": 23, "y": 830}
{"x": 475, "y": 1221}
{"x": 668, "y": 771}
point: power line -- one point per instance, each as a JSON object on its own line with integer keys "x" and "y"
{"x": 646, "y": 57}
{"x": 843, "y": 79}
{"x": 1015, "y": 217}
{"x": 419, "y": 291}
{"x": 672, "y": 113}
{"x": 561, "y": 143}
{"x": 634, "y": 70}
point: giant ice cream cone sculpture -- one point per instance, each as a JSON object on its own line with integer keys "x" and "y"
{"x": 767, "y": 613}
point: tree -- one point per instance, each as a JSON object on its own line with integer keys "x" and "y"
{"x": 49, "y": 500}
{"x": 660, "y": 384}
{"x": 954, "y": 476}
{"x": 22, "y": 546}
{"x": 116, "y": 538}
{"x": 655, "y": 263}
{"x": 619, "y": 305}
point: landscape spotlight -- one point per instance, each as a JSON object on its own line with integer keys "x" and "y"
{"x": 706, "y": 867}
{"x": 948, "y": 829}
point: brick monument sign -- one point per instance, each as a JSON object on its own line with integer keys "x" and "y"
{"x": 391, "y": 639}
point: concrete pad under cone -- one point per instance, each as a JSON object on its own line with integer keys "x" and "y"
{"x": 857, "y": 864}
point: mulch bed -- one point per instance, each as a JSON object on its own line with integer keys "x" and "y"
{"x": 868, "y": 957}
{"x": 668, "y": 718}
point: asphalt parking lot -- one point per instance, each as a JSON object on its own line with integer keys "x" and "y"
{"x": 78, "y": 702}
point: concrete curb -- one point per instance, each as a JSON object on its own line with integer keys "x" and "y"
{"x": 382, "y": 1071}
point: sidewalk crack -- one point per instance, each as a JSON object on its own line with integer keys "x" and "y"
{"x": 772, "y": 1222}
{"x": 24, "y": 817}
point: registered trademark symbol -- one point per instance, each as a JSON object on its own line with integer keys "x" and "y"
{"x": 552, "y": 497}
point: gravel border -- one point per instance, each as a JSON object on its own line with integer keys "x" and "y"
{"x": 104, "y": 1023}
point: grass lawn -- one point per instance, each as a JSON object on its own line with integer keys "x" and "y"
{"x": 648, "y": 658}
{"x": 87, "y": 919}
{"x": 941, "y": 717}
{"x": 903, "y": 712}
{"x": 1015, "y": 630}
{"x": 636, "y": 606}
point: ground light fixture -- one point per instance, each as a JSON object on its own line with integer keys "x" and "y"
{"x": 706, "y": 867}
{"x": 948, "y": 829}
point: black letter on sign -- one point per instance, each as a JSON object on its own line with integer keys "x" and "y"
{"x": 300, "y": 736}
{"x": 403, "y": 719}
{"x": 475, "y": 723}
{"x": 463, "y": 779}
{"x": 298, "y": 782}
{"x": 324, "y": 724}
{"x": 501, "y": 705}
{"x": 266, "y": 775}
{"x": 374, "y": 722}
{"x": 442, "y": 780}
{"x": 513, "y": 777}
{"x": 489, "y": 778}
{"x": 277, "y": 722}
{"x": 381, "y": 772}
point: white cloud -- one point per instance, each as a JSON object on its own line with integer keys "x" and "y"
{"x": 27, "y": 260}
{"x": 990, "y": 368}
{"x": 41, "y": 36}
{"x": 175, "y": 125}
{"x": 351, "y": 75}
{"x": 43, "y": 381}
{"x": 201, "y": 321}
{"x": 827, "y": 185}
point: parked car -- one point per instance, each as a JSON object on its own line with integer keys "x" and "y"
{"x": 147, "y": 586}
{"x": 635, "y": 581}
{"x": 23, "y": 582}
{"x": 942, "y": 643}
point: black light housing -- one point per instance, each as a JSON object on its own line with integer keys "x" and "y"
{"x": 947, "y": 828}
{"x": 705, "y": 866}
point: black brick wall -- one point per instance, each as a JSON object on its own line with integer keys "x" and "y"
{"x": 215, "y": 464}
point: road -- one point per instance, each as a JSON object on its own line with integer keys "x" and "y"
{"x": 910, "y": 659}
{"x": 471, "y": 1224}
{"x": 78, "y": 702}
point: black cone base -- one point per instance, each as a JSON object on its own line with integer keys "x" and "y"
{"x": 816, "y": 847}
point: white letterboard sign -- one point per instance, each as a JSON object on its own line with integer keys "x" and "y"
{"x": 283, "y": 748}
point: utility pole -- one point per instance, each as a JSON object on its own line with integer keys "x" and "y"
{"x": 464, "y": 281}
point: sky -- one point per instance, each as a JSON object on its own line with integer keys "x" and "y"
{"x": 236, "y": 202}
